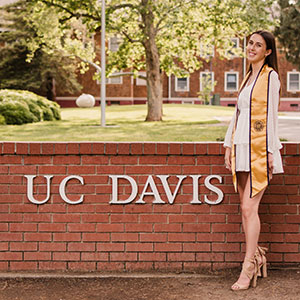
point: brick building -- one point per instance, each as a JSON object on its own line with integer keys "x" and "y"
{"x": 226, "y": 73}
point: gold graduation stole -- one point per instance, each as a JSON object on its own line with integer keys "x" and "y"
{"x": 258, "y": 138}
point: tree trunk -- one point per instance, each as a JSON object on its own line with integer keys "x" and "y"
{"x": 154, "y": 78}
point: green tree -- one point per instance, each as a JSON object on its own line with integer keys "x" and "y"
{"x": 288, "y": 30}
{"x": 166, "y": 35}
{"x": 22, "y": 68}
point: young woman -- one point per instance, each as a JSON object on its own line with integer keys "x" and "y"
{"x": 252, "y": 146}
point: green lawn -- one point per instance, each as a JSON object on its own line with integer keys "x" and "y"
{"x": 126, "y": 123}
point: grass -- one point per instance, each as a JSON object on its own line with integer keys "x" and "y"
{"x": 126, "y": 123}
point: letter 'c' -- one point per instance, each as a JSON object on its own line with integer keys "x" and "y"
{"x": 62, "y": 189}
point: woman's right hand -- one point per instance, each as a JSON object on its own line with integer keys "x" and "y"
{"x": 228, "y": 158}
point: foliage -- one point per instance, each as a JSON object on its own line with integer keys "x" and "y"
{"x": 30, "y": 65}
{"x": 288, "y": 31}
{"x": 207, "y": 88}
{"x": 20, "y": 107}
{"x": 166, "y": 35}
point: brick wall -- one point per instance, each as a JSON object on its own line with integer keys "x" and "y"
{"x": 97, "y": 235}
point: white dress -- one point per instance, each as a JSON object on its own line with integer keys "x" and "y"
{"x": 241, "y": 137}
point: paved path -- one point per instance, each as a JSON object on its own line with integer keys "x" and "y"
{"x": 288, "y": 125}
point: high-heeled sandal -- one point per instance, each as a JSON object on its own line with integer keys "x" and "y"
{"x": 260, "y": 254}
{"x": 250, "y": 269}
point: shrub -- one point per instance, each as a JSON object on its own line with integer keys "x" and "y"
{"x": 20, "y": 107}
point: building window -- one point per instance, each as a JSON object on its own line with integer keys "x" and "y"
{"x": 114, "y": 80}
{"x": 235, "y": 45}
{"x": 182, "y": 84}
{"x": 141, "y": 81}
{"x": 114, "y": 43}
{"x": 293, "y": 81}
{"x": 231, "y": 81}
{"x": 207, "y": 78}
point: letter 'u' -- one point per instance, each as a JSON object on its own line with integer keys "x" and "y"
{"x": 30, "y": 189}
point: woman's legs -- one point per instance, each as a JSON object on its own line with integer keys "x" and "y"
{"x": 250, "y": 219}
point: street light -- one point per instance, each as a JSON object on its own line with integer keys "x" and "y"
{"x": 103, "y": 65}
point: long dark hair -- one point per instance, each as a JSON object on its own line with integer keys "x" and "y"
{"x": 271, "y": 59}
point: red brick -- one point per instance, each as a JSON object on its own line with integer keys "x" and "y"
{"x": 124, "y": 160}
{"x": 85, "y": 148}
{"x": 124, "y": 237}
{"x": 213, "y": 148}
{"x": 181, "y": 256}
{"x": 52, "y": 265}
{"x": 37, "y": 160}
{"x": 35, "y": 148}
{"x": 35, "y": 237}
{"x": 226, "y": 247}
{"x": 152, "y": 257}
{"x": 292, "y": 257}
{"x": 115, "y": 256}
{"x": 211, "y": 237}
{"x": 162, "y": 148}
{"x": 22, "y": 227}
{"x": 22, "y": 148}
{"x": 62, "y": 218}
{"x": 284, "y": 247}
{"x": 66, "y": 256}
{"x": 111, "y": 247}
{"x": 81, "y": 247}
{"x": 291, "y": 149}
{"x": 149, "y": 148}
{"x": 283, "y": 209}
{"x": 66, "y": 237}
{"x": 225, "y": 228}
{"x": 81, "y": 227}
{"x": 175, "y": 148}
{"x": 111, "y": 148}
{"x": 201, "y": 149}
{"x": 22, "y": 265}
{"x": 4, "y": 246}
{"x": 53, "y": 247}
{"x": 60, "y": 148}
{"x": 28, "y": 170}
{"x": 167, "y": 228}
{"x": 183, "y": 218}
{"x": 196, "y": 247}
{"x": 181, "y": 237}
{"x": 124, "y": 148}
{"x": 152, "y": 160}
{"x": 73, "y": 148}
{"x": 168, "y": 247}
{"x": 188, "y": 148}
{"x": 200, "y": 227}
{"x": 82, "y": 266}
{"x": 8, "y": 148}
{"x": 10, "y": 255}
{"x": 52, "y": 227}
{"x": 153, "y": 219}
{"x": 49, "y": 170}
{"x": 153, "y": 237}
{"x": 182, "y": 160}
{"x": 66, "y": 160}
{"x": 285, "y": 228}
{"x": 95, "y": 237}
{"x": 47, "y": 148}
{"x": 110, "y": 228}
{"x": 139, "y": 247}
{"x": 98, "y": 148}
{"x": 136, "y": 148}
{"x": 37, "y": 256}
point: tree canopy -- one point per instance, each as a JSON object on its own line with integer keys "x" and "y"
{"x": 165, "y": 35}
{"x": 288, "y": 30}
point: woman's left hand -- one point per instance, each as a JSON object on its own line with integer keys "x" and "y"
{"x": 271, "y": 164}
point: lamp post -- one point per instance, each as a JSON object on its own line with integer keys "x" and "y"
{"x": 103, "y": 64}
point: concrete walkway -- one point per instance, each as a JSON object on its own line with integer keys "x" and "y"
{"x": 288, "y": 125}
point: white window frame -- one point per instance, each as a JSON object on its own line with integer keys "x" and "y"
{"x": 237, "y": 81}
{"x": 288, "y": 81}
{"x": 236, "y": 47}
{"x": 110, "y": 43}
{"x": 212, "y": 80}
{"x": 177, "y": 89}
{"x": 110, "y": 79}
{"x": 140, "y": 81}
